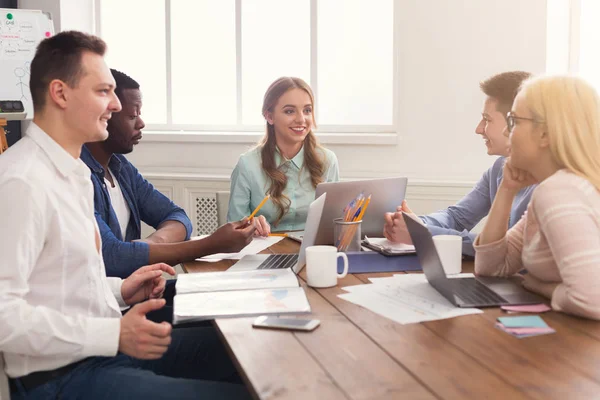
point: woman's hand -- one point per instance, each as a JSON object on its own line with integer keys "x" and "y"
{"x": 262, "y": 226}
{"x": 515, "y": 179}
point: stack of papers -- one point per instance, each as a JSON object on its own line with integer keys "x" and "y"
{"x": 524, "y": 326}
{"x": 209, "y": 305}
{"x": 405, "y": 298}
{"x": 226, "y": 294}
{"x": 257, "y": 245}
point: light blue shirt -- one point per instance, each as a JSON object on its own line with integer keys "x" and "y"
{"x": 460, "y": 218}
{"x": 250, "y": 183}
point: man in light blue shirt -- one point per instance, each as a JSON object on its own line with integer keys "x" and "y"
{"x": 249, "y": 183}
{"x": 460, "y": 218}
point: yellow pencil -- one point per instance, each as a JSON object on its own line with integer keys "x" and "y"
{"x": 278, "y": 234}
{"x": 351, "y": 231}
{"x": 362, "y": 212}
{"x": 262, "y": 203}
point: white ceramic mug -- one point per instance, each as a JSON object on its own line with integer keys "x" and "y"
{"x": 321, "y": 266}
{"x": 449, "y": 248}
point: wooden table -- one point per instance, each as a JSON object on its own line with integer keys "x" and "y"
{"x": 357, "y": 354}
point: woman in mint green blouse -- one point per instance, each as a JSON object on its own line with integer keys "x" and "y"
{"x": 288, "y": 163}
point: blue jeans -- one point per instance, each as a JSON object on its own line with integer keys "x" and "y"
{"x": 196, "y": 366}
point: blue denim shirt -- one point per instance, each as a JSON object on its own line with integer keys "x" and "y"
{"x": 122, "y": 256}
{"x": 460, "y": 218}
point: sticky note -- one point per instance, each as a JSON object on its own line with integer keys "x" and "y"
{"x": 529, "y": 321}
{"x": 525, "y": 332}
{"x": 529, "y": 308}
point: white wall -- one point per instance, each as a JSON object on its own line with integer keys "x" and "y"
{"x": 445, "y": 48}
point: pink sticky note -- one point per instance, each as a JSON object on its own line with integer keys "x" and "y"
{"x": 529, "y": 308}
{"x": 525, "y": 332}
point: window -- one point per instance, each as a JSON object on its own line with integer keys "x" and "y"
{"x": 573, "y": 38}
{"x": 589, "y": 42}
{"x": 205, "y": 65}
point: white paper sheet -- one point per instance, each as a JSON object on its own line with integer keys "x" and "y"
{"x": 257, "y": 245}
{"x": 416, "y": 277}
{"x": 236, "y": 280}
{"x": 406, "y": 299}
{"x": 200, "y": 306}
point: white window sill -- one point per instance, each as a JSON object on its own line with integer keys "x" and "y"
{"x": 384, "y": 139}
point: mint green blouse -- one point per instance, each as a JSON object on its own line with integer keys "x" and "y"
{"x": 249, "y": 185}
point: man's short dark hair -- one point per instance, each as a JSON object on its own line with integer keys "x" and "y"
{"x": 59, "y": 57}
{"x": 504, "y": 88}
{"x": 124, "y": 82}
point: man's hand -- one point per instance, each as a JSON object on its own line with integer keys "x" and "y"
{"x": 395, "y": 229}
{"x": 145, "y": 283}
{"x": 232, "y": 237}
{"x": 515, "y": 179}
{"x": 262, "y": 226}
{"x": 142, "y": 338}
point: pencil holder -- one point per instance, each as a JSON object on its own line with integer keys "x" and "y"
{"x": 346, "y": 235}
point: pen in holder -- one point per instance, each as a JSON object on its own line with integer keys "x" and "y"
{"x": 346, "y": 235}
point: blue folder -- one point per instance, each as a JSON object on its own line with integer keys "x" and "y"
{"x": 371, "y": 261}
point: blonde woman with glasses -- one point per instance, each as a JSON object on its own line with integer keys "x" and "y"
{"x": 555, "y": 141}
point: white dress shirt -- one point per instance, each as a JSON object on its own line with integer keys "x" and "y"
{"x": 56, "y": 304}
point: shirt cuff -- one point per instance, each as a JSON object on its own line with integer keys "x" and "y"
{"x": 182, "y": 218}
{"x": 115, "y": 286}
{"x": 102, "y": 337}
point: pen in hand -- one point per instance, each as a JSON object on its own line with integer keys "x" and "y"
{"x": 262, "y": 203}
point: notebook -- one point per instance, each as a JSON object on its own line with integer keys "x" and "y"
{"x": 231, "y": 294}
{"x": 385, "y": 247}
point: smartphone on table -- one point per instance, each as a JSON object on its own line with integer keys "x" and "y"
{"x": 286, "y": 323}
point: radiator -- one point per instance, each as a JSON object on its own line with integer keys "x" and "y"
{"x": 206, "y": 220}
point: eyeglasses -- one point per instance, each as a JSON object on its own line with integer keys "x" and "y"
{"x": 511, "y": 117}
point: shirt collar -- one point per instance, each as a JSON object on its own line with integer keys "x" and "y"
{"x": 86, "y": 156}
{"x": 62, "y": 160}
{"x": 297, "y": 160}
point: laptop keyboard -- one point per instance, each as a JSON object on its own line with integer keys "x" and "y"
{"x": 278, "y": 261}
{"x": 472, "y": 291}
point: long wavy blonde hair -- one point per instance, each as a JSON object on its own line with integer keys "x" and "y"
{"x": 570, "y": 107}
{"x": 312, "y": 160}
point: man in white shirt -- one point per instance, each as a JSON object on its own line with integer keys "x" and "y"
{"x": 61, "y": 329}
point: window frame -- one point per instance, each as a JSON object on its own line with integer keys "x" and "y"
{"x": 239, "y": 133}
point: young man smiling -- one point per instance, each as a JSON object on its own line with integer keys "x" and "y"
{"x": 461, "y": 218}
{"x": 61, "y": 329}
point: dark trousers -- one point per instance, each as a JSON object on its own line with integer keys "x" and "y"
{"x": 196, "y": 366}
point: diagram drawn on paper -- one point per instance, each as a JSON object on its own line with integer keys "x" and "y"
{"x": 20, "y": 33}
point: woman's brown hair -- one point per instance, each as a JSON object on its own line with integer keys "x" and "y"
{"x": 312, "y": 160}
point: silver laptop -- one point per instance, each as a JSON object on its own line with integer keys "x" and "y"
{"x": 386, "y": 195}
{"x": 464, "y": 292}
{"x": 294, "y": 261}
{"x": 296, "y": 236}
